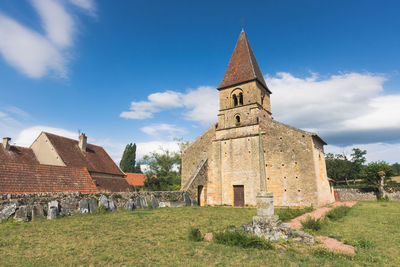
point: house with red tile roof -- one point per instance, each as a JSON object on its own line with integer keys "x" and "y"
{"x": 135, "y": 179}
{"x": 55, "y": 163}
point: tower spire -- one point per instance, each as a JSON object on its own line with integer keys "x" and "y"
{"x": 243, "y": 66}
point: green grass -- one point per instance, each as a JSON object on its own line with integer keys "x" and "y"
{"x": 159, "y": 237}
{"x": 312, "y": 224}
{"x": 337, "y": 213}
{"x": 241, "y": 239}
{"x": 286, "y": 214}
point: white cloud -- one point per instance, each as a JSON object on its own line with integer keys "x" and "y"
{"x": 57, "y": 23}
{"x": 144, "y": 148}
{"x": 345, "y": 109}
{"x": 87, "y": 5}
{"x": 32, "y": 53}
{"x": 162, "y": 129}
{"x": 375, "y": 151}
{"x": 29, "y": 52}
{"x": 199, "y": 105}
{"x": 202, "y": 104}
{"x": 28, "y": 135}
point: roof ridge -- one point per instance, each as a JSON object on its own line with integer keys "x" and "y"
{"x": 77, "y": 141}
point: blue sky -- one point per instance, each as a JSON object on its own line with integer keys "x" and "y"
{"x": 146, "y": 71}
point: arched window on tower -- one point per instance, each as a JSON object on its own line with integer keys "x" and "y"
{"x": 235, "y": 100}
{"x": 240, "y": 99}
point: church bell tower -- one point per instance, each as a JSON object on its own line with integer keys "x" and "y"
{"x": 243, "y": 93}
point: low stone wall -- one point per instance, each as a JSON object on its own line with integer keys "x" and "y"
{"x": 350, "y": 194}
{"x": 26, "y": 207}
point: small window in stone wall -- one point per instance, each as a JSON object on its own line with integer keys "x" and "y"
{"x": 240, "y": 98}
{"x": 237, "y": 118}
{"x": 235, "y": 100}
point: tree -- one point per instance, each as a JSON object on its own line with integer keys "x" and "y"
{"x": 128, "y": 161}
{"x": 357, "y": 161}
{"x": 375, "y": 173}
{"x": 396, "y": 169}
{"x": 162, "y": 171}
{"x": 338, "y": 167}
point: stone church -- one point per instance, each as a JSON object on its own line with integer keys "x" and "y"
{"x": 223, "y": 165}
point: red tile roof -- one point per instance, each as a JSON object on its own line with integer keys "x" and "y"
{"x": 135, "y": 179}
{"x": 95, "y": 158}
{"x": 243, "y": 66}
{"x": 33, "y": 178}
{"x": 111, "y": 184}
{"x": 17, "y": 154}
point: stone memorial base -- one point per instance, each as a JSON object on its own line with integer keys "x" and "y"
{"x": 266, "y": 224}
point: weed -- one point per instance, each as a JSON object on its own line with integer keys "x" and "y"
{"x": 312, "y": 224}
{"x": 362, "y": 243}
{"x": 195, "y": 234}
{"x": 337, "y": 213}
{"x": 241, "y": 239}
{"x": 100, "y": 208}
{"x": 324, "y": 253}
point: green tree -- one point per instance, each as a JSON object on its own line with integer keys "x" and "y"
{"x": 338, "y": 167}
{"x": 375, "y": 173}
{"x": 162, "y": 171}
{"x": 396, "y": 169}
{"x": 128, "y": 161}
{"x": 357, "y": 161}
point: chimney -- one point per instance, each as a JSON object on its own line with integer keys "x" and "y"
{"x": 82, "y": 142}
{"x": 6, "y": 143}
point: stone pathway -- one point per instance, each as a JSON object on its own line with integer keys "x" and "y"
{"x": 327, "y": 242}
{"x": 316, "y": 214}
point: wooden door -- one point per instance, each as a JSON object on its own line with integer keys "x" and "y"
{"x": 199, "y": 196}
{"x": 238, "y": 196}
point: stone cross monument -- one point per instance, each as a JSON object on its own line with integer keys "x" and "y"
{"x": 265, "y": 223}
{"x": 265, "y": 199}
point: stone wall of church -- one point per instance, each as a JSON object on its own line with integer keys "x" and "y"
{"x": 325, "y": 190}
{"x": 196, "y": 152}
{"x": 290, "y": 165}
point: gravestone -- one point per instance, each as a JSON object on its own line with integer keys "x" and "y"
{"x": 53, "y": 210}
{"x": 37, "y": 212}
{"x": 93, "y": 205}
{"x": 104, "y": 201}
{"x": 21, "y": 214}
{"x": 138, "y": 204}
{"x": 84, "y": 206}
{"x": 154, "y": 202}
{"x": 130, "y": 205}
{"x": 52, "y": 213}
{"x": 69, "y": 206}
{"x": 143, "y": 202}
{"x": 188, "y": 201}
{"x": 111, "y": 205}
{"x": 7, "y": 211}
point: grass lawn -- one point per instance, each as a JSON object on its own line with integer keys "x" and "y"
{"x": 160, "y": 237}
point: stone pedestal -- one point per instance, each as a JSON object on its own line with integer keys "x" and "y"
{"x": 266, "y": 224}
{"x": 265, "y": 204}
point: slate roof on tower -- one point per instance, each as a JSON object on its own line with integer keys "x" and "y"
{"x": 95, "y": 158}
{"x": 243, "y": 66}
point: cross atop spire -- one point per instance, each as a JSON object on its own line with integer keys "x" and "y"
{"x": 242, "y": 66}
